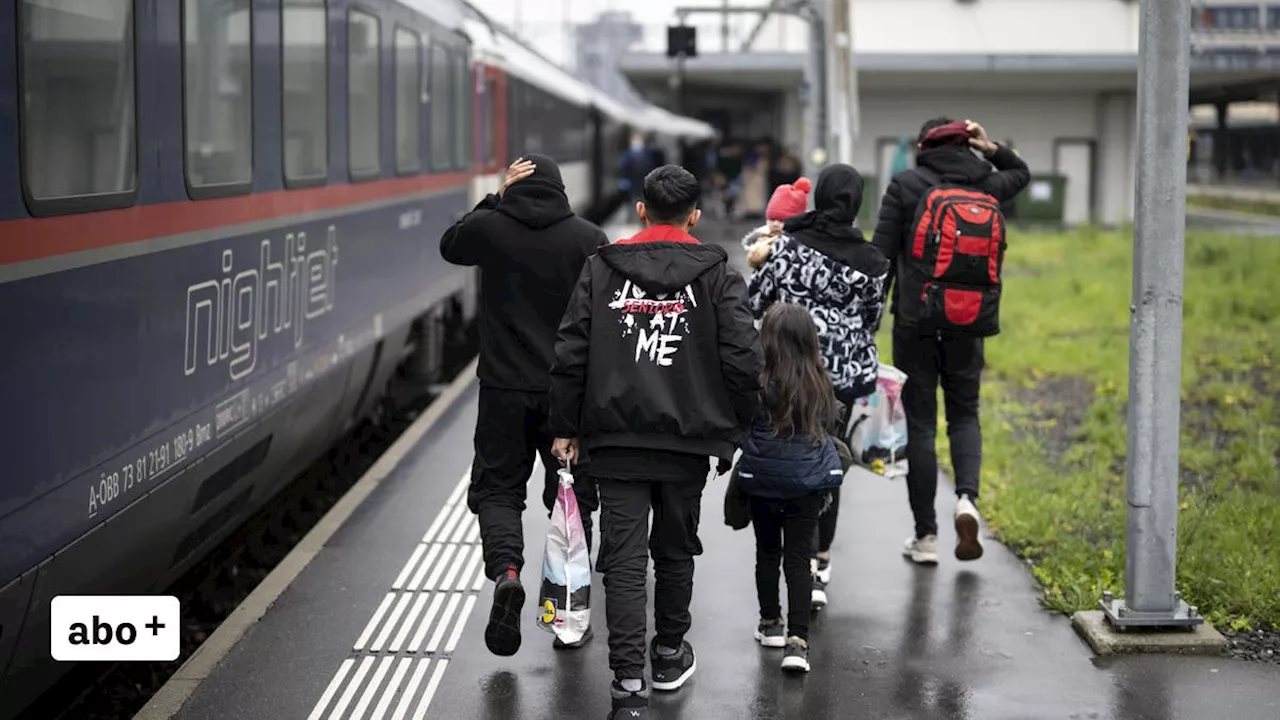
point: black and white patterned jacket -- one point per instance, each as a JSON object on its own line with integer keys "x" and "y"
{"x": 839, "y": 277}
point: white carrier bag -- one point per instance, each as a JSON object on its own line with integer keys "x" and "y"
{"x": 877, "y": 429}
{"x": 565, "y": 608}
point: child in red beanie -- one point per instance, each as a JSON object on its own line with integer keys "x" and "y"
{"x": 787, "y": 201}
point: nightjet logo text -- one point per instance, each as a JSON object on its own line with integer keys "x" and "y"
{"x": 228, "y": 316}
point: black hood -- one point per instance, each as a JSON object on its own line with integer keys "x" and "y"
{"x": 539, "y": 200}
{"x": 828, "y": 228}
{"x": 954, "y": 164}
{"x": 660, "y": 267}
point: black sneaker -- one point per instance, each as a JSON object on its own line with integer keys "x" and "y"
{"x": 503, "y": 633}
{"x": 796, "y": 658}
{"x": 629, "y": 705}
{"x": 771, "y": 633}
{"x": 819, "y": 598}
{"x": 562, "y": 645}
{"x": 671, "y": 671}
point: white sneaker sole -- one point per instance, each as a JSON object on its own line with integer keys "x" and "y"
{"x": 825, "y": 575}
{"x": 795, "y": 664}
{"x": 818, "y": 599}
{"x": 970, "y": 546}
{"x": 770, "y": 642}
{"x": 675, "y": 684}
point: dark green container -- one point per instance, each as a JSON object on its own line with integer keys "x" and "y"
{"x": 1042, "y": 201}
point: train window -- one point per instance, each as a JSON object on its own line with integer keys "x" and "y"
{"x": 78, "y": 119}
{"x": 363, "y": 94}
{"x": 441, "y": 136}
{"x": 217, "y": 59}
{"x": 464, "y": 145}
{"x": 408, "y": 101}
{"x": 487, "y": 125}
{"x": 304, "y": 65}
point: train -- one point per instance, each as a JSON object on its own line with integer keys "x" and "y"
{"x": 219, "y": 225}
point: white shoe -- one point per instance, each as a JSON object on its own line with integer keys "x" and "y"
{"x": 824, "y": 571}
{"x": 968, "y": 523}
{"x": 922, "y": 550}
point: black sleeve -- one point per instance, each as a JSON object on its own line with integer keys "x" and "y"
{"x": 569, "y": 373}
{"x": 460, "y": 244}
{"x": 891, "y": 229}
{"x": 740, "y": 355}
{"x": 1010, "y": 177}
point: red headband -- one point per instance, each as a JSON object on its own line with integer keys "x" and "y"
{"x": 952, "y": 133}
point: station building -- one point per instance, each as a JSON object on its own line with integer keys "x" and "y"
{"x": 1056, "y": 79}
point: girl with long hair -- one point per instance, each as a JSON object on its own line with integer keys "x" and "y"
{"x": 788, "y": 469}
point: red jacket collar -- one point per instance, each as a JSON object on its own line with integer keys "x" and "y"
{"x": 660, "y": 233}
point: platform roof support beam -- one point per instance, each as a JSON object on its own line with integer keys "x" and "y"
{"x": 1155, "y": 335}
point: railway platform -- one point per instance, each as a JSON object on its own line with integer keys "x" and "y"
{"x": 380, "y": 612}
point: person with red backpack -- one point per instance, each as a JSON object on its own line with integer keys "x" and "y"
{"x": 942, "y": 228}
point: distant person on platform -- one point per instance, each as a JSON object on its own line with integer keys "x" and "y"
{"x": 930, "y": 355}
{"x": 530, "y": 249}
{"x": 657, "y": 370}
{"x": 636, "y": 163}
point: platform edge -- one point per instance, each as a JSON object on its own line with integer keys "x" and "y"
{"x": 173, "y": 695}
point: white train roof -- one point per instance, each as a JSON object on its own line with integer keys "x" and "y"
{"x": 449, "y": 13}
{"x": 493, "y": 45}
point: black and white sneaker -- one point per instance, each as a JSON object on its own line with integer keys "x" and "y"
{"x": 559, "y": 644}
{"x": 824, "y": 570}
{"x": 672, "y": 671}
{"x": 629, "y": 705}
{"x": 771, "y": 633}
{"x": 503, "y": 632}
{"x": 796, "y": 658}
{"x": 819, "y": 598}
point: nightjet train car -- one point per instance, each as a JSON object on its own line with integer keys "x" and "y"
{"x": 219, "y": 225}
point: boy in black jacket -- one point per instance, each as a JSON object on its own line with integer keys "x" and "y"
{"x": 530, "y": 248}
{"x": 928, "y": 355}
{"x": 657, "y": 368}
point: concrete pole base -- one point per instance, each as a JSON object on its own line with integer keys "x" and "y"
{"x": 1106, "y": 640}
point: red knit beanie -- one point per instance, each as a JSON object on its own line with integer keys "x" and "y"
{"x": 789, "y": 200}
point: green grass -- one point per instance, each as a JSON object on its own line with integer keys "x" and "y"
{"x": 1054, "y": 421}
{"x": 1245, "y": 206}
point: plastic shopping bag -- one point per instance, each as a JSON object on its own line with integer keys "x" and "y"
{"x": 877, "y": 429}
{"x": 566, "y": 569}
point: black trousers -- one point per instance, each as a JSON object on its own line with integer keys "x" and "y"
{"x": 957, "y": 363}
{"x": 626, "y": 542}
{"x": 785, "y": 532}
{"x": 826, "y": 532}
{"x": 510, "y": 429}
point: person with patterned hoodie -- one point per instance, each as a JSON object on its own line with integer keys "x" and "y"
{"x": 825, "y": 265}
{"x": 787, "y": 202}
{"x": 657, "y": 370}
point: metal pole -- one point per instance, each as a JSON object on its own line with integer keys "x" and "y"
{"x": 1155, "y": 334}
{"x": 818, "y": 153}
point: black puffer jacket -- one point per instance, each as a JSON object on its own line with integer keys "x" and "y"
{"x": 530, "y": 248}
{"x": 657, "y": 350}
{"x": 823, "y": 264}
{"x": 951, "y": 164}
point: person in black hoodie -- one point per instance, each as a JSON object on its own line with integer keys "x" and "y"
{"x": 928, "y": 355}
{"x": 825, "y": 265}
{"x": 657, "y": 369}
{"x": 530, "y": 248}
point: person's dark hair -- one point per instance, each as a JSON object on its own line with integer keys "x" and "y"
{"x": 931, "y": 124}
{"x": 798, "y": 396}
{"x": 670, "y": 195}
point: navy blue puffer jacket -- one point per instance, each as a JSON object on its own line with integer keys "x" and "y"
{"x": 785, "y": 468}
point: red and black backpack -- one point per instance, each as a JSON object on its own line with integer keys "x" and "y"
{"x": 954, "y": 260}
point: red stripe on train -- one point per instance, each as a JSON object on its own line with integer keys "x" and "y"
{"x": 36, "y": 238}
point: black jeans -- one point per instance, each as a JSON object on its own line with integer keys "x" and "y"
{"x": 625, "y": 544}
{"x": 785, "y": 532}
{"x": 957, "y": 362}
{"x": 511, "y": 427}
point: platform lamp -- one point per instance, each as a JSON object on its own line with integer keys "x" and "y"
{"x": 682, "y": 43}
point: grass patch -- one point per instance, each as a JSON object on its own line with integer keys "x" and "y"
{"x": 1054, "y": 424}
{"x": 1255, "y": 207}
